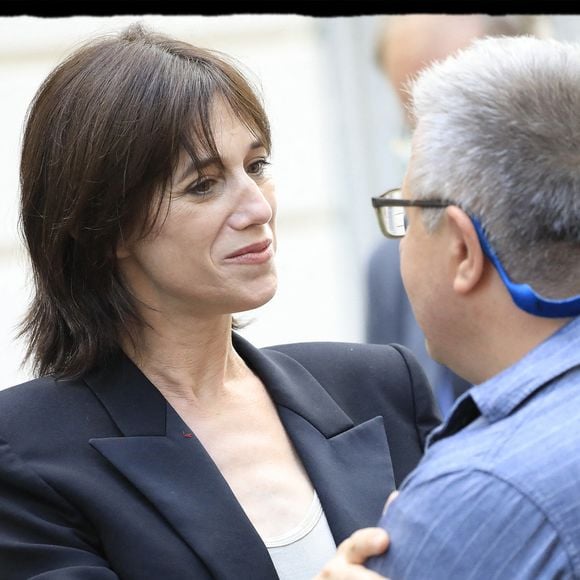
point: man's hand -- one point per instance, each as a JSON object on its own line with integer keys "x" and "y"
{"x": 352, "y": 553}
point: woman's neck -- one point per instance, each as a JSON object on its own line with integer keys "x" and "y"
{"x": 189, "y": 360}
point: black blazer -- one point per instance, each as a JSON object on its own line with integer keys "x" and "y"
{"x": 100, "y": 479}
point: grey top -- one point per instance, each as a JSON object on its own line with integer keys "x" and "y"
{"x": 301, "y": 553}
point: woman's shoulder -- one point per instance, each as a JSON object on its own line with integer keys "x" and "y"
{"x": 350, "y": 355}
{"x": 385, "y": 372}
{"x": 37, "y": 390}
{"x": 26, "y": 393}
{"x": 368, "y": 379}
{"x": 45, "y": 406}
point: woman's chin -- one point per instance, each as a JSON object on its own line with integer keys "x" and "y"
{"x": 258, "y": 298}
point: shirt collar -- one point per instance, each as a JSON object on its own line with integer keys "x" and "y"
{"x": 501, "y": 394}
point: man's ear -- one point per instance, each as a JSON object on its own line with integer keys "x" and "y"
{"x": 468, "y": 257}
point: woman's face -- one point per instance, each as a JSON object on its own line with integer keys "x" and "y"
{"x": 212, "y": 249}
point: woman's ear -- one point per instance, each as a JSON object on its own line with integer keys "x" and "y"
{"x": 468, "y": 257}
{"x": 122, "y": 249}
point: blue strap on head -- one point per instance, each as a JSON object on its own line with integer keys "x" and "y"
{"x": 524, "y": 295}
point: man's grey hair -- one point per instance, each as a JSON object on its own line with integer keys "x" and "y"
{"x": 498, "y": 132}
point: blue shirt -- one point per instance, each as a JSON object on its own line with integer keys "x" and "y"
{"x": 497, "y": 494}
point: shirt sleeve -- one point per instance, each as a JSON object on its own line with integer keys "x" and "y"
{"x": 469, "y": 525}
{"x": 40, "y": 535}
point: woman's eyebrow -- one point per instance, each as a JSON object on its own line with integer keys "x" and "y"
{"x": 208, "y": 161}
{"x": 191, "y": 167}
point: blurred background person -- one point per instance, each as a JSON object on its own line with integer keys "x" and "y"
{"x": 405, "y": 45}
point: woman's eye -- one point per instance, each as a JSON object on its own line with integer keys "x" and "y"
{"x": 202, "y": 187}
{"x": 258, "y": 167}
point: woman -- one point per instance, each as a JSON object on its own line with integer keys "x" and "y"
{"x": 158, "y": 443}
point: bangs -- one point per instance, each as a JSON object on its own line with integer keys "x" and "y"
{"x": 197, "y": 138}
{"x": 191, "y": 81}
{"x": 198, "y": 141}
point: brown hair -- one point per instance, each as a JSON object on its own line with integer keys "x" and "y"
{"x": 102, "y": 139}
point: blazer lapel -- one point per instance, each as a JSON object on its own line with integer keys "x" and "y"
{"x": 169, "y": 466}
{"x": 350, "y": 466}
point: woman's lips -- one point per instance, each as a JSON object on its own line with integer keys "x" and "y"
{"x": 257, "y": 253}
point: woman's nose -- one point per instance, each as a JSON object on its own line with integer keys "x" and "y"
{"x": 254, "y": 207}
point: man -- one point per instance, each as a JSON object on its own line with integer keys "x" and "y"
{"x": 407, "y": 44}
{"x": 490, "y": 259}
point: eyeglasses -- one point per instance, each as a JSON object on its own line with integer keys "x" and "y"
{"x": 390, "y": 210}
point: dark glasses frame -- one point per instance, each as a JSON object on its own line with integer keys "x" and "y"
{"x": 523, "y": 295}
{"x": 383, "y": 201}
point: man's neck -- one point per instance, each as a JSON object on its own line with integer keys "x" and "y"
{"x": 505, "y": 340}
